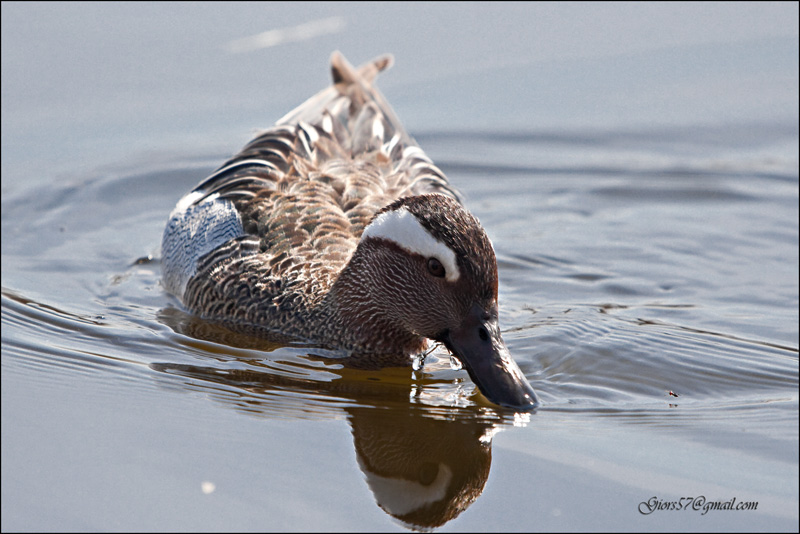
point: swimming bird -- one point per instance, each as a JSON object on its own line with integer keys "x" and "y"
{"x": 334, "y": 227}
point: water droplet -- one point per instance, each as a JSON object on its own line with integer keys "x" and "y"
{"x": 455, "y": 363}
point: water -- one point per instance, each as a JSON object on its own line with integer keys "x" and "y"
{"x": 644, "y": 209}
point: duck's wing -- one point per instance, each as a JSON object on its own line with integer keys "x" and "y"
{"x": 301, "y": 193}
{"x": 347, "y": 135}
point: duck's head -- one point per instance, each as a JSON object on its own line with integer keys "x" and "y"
{"x": 424, "y": 268}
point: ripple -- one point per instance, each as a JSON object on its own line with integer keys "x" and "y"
{"x": 586, "y": 356}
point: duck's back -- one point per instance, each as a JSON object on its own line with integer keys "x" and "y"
{"x": 263, "y": 238}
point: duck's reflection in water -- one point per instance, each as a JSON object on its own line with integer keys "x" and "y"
{"x": 422, "y": 471}
{"x": 425, "y": 460}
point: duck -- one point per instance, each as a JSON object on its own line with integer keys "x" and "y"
{"x": 333, "y": 227}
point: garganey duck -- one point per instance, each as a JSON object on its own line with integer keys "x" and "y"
{"x": 334, "y": 227}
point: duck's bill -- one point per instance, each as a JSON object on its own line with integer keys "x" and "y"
{"x": 479, "y": 346}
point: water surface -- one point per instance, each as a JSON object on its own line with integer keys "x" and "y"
{"x": 645, "y": 221}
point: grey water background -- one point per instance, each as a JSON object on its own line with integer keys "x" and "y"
{"x": 636, "y": 166}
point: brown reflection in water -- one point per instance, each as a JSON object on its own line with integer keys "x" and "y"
{"x": 425, "y": 464}
{"x": 422, "y": 471}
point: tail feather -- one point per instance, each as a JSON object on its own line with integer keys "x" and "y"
{"x": 357, "y": 96}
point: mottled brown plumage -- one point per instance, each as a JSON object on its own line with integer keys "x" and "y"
{"x": 272, "y": 241}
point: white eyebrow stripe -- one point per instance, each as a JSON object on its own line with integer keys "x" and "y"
{"x": 402, "y": 227}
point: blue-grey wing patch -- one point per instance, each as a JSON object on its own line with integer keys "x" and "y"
{"x": 194, "y": 230}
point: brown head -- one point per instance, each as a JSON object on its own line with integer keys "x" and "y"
{"x": 424, "y": 268}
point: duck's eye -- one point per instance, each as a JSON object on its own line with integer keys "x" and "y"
{"x": 436, "y": 268}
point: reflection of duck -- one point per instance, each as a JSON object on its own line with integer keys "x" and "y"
{"x": 422, "y": 471}
{"x": 334, "y": 227}
{"x": 425, "y": 464}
